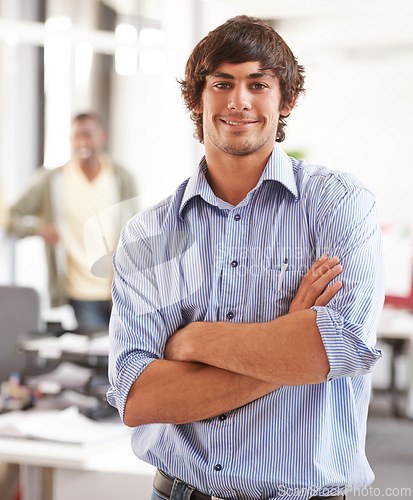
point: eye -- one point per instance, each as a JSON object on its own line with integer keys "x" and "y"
{"x": 258, "y": 86}
{"x": 222, "y": 85}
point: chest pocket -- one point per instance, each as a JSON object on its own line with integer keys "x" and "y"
{"x": 275, "y": 298}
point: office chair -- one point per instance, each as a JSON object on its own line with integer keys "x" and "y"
{"x": 19, "y": 318}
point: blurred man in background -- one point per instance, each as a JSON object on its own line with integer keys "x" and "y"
{"x": 56, "y": 207}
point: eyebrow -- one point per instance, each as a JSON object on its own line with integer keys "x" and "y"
{"x": 251, "y": 76}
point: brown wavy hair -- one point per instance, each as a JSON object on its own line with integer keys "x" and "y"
{"x": 242, "y": 39}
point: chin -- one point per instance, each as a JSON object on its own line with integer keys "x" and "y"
{"x": 242, "y": 149}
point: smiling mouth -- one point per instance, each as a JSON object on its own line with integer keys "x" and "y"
{"x": 238, "y": 124}
{"x": 84, "y": 153}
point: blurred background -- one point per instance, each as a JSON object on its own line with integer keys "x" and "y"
{"x": 122, "y": 59}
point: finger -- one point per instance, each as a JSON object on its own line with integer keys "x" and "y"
{"x": 328, "y": 275}
{"x": 325, "y": 266}
{"x": 319, "y": 262}
{"x": 51, "y": 238}
{"x": 329, "y": 293}
{"x": 320, "y": 268}
{"x": 317, "y": 265}
{"x": 317, "y": 287}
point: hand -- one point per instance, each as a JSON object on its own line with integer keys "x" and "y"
{"x": 314, "y": 289}
{"x": 174, "y": 348}
{"x": 179, "y": 346}
{"x": 49, "y": 233}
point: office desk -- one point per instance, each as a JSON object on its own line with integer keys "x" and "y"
{"x": 45, "y": 356}
{"x": 101, "y": 471}
{"x": 396, "y": 329}
{"x": 104, "y": 471}
{"x": 85, "y": 350}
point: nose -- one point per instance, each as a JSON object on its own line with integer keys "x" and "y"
{"x": 80, "y": 140}
{"x": 239, "y": 99}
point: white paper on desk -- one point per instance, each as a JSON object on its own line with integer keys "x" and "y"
{"x": 394, "y": 320}
{"x": 66, "y": 375}
{"x": 66, "y": 426}
{"x": 99, "y": 346}
{"x": 52, "y": 347}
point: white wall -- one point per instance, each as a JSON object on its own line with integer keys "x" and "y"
{"x": 357, "y": 112}
{"x": 151, "y": 133}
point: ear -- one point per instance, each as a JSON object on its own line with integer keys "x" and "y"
{"x": 198, "y": 109}
{"x": 287, "y": 108}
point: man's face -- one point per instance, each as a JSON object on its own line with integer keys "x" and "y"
{"x": 88, "y": 138}
{"x": 241, "y": 108}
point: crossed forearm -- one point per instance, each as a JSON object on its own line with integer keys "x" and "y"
{"x": 211, "y": 368}
{"x": 181, "y": 392}
{"x": 287, "y": 350}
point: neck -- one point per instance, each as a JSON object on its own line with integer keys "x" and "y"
{"x": 232, "y": 177}
{"x": 90, "y": 168}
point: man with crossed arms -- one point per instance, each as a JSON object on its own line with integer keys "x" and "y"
{"x": 245, "y": 376}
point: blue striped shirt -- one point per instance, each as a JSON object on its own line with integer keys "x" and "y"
{"x": 175, "y": 264}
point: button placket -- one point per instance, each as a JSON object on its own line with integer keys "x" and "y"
{"x": 219, "y": 460}
{"x": 234, "y": 274}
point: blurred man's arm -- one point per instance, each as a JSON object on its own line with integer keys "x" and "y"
{"x": 26, "y": 215}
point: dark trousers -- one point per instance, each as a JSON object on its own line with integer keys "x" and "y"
{"x": 92, "y": 315}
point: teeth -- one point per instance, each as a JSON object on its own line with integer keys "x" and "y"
{"x": 236, "y": 123}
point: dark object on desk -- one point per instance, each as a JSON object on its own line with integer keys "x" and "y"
{"x": 49, "y": 359}
{"x": 19, "y": 317}
{"x": 398, "y": 347}
{"x": 397, "y": 395}
{"x": 14, "y": 395}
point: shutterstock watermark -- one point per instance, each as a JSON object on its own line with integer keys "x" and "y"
{"x": 371, "y": 491}
{"x": 368, "y": 492}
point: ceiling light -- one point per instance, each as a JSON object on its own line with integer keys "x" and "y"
{"x": 58, "y": 23}
{"x": 126, "y": 33}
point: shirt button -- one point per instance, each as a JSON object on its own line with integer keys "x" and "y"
{"x": 230, "y": 315}
{"x": 218, "y": 467}
{"x": 234, "y": 263}
{"x": 237, "y": 217}
{"x": 222, "y": 417}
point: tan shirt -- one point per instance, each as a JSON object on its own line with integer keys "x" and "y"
{"x": 83, "y": 199}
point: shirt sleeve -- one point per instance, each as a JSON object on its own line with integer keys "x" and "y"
{"x": 143, "y": 315}
{"x": 348, "y": 227}
{"x": 27, "y": 214}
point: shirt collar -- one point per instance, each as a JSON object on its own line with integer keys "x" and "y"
{"x": 279, "y": 169}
